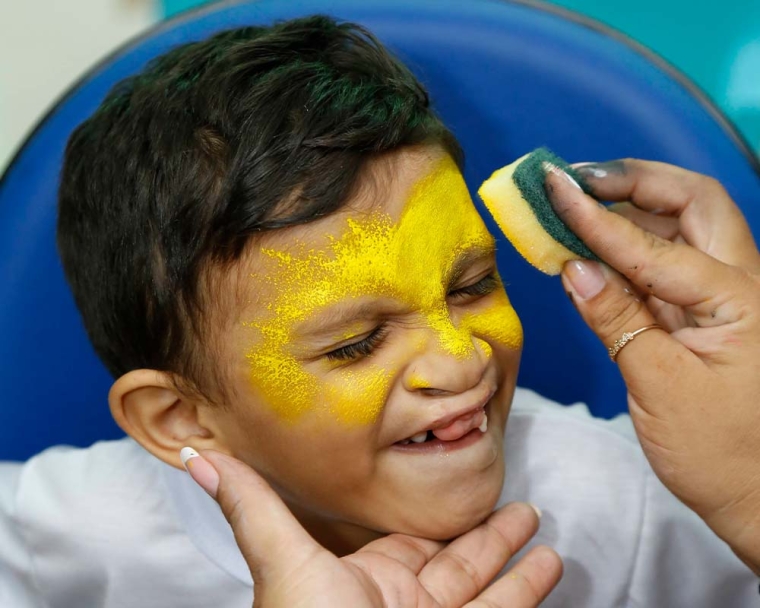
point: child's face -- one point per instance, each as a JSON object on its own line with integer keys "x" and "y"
{"x": 364, "y": 329}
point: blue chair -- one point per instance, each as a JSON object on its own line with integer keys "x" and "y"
{"x": 506, "y": 76}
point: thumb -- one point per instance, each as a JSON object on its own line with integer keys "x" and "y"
{"x": 612, "y": 309}
{"x": 270, "y": 538}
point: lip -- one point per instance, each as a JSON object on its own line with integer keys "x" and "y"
{"x": 449, "y": 418}
{"x": 437, "y": 446}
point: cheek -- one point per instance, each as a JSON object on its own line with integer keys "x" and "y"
{"x": 352, "y": 398}
{"x": 286, "y": 387}
{"x": 357, "y": 397}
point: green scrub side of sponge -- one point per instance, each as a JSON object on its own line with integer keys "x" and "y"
{"x": 529, "y": 178}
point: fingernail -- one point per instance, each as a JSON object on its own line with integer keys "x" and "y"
{"x": 600, "y": 170}
{"x": 586, "y": 278}
{"x": 536, "y": 509}
{"x": 200, "y": 470}
{"x": 552, "y": 168}
{"x": 590, "y": 170}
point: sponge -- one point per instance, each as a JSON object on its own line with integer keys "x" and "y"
{"x": 516, "y": 198}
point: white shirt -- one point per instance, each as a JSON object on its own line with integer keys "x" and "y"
{"x": 111, "y": 526}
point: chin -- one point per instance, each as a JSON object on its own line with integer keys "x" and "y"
{"x": 454, "y": 511}
{"x": 457, "y": 520}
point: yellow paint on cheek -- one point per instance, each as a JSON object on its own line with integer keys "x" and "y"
{"x": 409, "y": 261}
{"x": 360, "y": 397}
{"x": 308, "y": 281}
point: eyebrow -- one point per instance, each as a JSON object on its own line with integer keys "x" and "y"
{"x": 337, "y": 317}
{"x": 468, "y": 258}
{"x": 347, "y": 312}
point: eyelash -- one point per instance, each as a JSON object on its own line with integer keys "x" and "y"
{"x": 362, "y": 348}
{"x": 366, "y": 346}
{"x": 483, "y": 287}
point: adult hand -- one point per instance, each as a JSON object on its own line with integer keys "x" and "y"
{"x": 291, "y": 570}
{"x": 679, "y": 254}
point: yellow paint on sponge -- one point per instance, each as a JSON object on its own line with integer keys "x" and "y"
{"x": 519, "y": 223}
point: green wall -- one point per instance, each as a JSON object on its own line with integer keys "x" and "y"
{"x": 717, "y": 44}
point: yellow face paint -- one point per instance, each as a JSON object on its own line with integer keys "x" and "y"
{"x": 408, "y": 261}
{"x": 417, "y": 382}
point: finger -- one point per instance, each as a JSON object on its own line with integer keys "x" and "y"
{"x": 599, "y": 293}
{"x": 463, "y": 569}
{"x": 270, "y": 538}
{"x": 664, "y": 226}
{"x": 411, "y": 551}
{"x": 709, "y": 218}
{"x": 526, "y": 585}
{"x": 673, "y": 272}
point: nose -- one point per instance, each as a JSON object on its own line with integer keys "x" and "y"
{"x": 437, "y": 371}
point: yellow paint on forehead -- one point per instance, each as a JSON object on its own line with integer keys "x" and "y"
{"x": 409, "y": 261}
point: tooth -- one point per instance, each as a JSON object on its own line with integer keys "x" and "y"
{"x": 405, "y": 442}
{"x": 484, "y": 425}
{"x": 419, "y": 437}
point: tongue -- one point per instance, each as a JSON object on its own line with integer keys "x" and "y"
{"x": 459, "y": 427}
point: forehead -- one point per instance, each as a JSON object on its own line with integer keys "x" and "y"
{"x": 411, "y": 220}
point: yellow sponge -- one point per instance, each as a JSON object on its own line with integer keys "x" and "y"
{"x": 516, "y": 198}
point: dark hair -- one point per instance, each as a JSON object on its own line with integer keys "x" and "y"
{"x": 214, "y": 142}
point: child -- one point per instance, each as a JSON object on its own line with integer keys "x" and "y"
{"x": 273, "y": 251}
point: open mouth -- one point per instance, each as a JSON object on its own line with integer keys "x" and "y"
{"x": 476, "y": 421}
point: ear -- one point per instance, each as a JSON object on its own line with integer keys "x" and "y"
{"x": 148, "y": 407}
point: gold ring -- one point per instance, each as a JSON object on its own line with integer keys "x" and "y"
{"x": 626, "y": 338}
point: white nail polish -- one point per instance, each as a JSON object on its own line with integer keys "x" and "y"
{"x": 536, "y": 509}
{"x": 552, "y": 168}
{"x": 548, "y": 167}
{"x": 591, "y": 170}
{"x": 570, "y": 179}
{"x": 186, "y": 454}
{"x": 598, "y": 173}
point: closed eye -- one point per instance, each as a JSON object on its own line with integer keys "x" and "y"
{"x": 488, "y": 284}
{"x": 362, "y": 348}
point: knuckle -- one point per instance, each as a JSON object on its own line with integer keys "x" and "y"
{"x": 508, "y": 547}
{"x": 616, "y": 313}
{"x": 462, "y": 568}
{"x": 232, "y": 507}
{"x": 754, "y": 280}
{"x": 410, "y": 547}
{"x": 528, "y": 588}
{"x": 655, "y": 247}
{"x": 532, "y": 588}
{"x": 630, "y": 165}
{"x": 484, "y": 603}
{"x": 747, "y": 283}
{"x": 711, "y": 184}
{"x": 699, "y": 186}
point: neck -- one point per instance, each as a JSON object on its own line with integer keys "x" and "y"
{"x": 339, "y": 537}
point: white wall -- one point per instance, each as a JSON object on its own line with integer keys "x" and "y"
{"x": 45, "y": 45}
